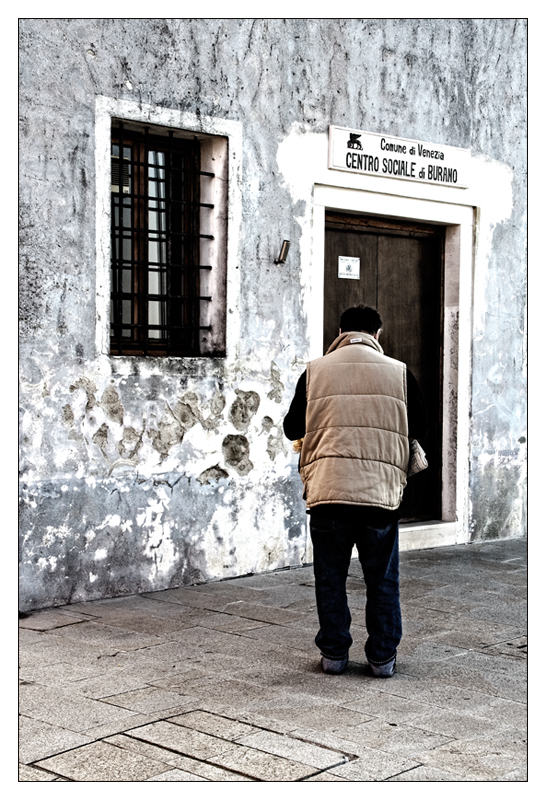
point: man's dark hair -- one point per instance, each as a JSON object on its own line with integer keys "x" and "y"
{"x": 360, "y": 318}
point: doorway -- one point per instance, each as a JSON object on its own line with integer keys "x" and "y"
{"x": 396, "y": 267}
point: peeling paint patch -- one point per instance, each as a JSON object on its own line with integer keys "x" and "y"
{"x": 68, "y": 415}
{"x": 111, "y": 405}
{"x": 100, "y": 438}
{"x": 275, "y": 445}
{"x": 160, "y": 547}
{"x": 89, "y": 388}
{"x": 169, "y": 433}
{"x": 130, "y": 443}
{"x": 277, "y": 391}
{"x": 208, "y": 414}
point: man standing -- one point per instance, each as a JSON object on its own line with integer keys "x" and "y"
{"x": 356, "y": 410}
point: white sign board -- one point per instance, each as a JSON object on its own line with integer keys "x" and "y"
{"x": 348, "y": 267}
{"x": 391, "y": 157}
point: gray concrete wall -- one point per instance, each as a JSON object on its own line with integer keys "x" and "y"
{"x": 166, "y": 473}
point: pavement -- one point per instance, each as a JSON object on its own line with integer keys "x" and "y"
{"x": 222, "y": 681}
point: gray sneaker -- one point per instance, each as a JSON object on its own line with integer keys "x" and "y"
{"x": 384, "y": 670}
{"x": 334, "y": 666}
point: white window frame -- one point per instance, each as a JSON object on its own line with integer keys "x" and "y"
{"x": 227, "y": 223}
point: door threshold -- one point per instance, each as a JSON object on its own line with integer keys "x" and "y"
{"x": 423, "y": 535}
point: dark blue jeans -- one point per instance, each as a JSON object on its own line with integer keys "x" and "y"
{"x": 374, "y": 531}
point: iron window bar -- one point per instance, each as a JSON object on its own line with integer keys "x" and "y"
{"x": 145, "y": 220}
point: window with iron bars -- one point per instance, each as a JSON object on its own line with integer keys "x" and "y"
{"x": 156, "y": 269}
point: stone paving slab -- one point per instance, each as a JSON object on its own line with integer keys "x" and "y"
{"x": 176, "y": 775}
{"x": 124, "y": 679}
{"x": 222, "y": 682}
{"x": 502, "y": 613}
{"x": 54, "y": 674}
{"x": 228, "y": 592}
{"x": 459, "y": 725}
{"x": 120, "y": 725}
{"x": 279, "y": 577}
{"x": 100, "y": 761}
{"x": 93, "y": 632}
{"x": 262, "y": 766}
{"x": 318, "y": 716}
{"x": 484, "y": 758}
{"x": 322, "y": 777}
{"x": 142, "y": 623}
{"x": 148, "y": 699}
{"x": 510, "y": 687}
{"x": 69, "y": 711}
{"x": 283, "y": 636}
{"x": 263, "y": 613}
{"x": 31, "y": 774}
{"x": 427, "y": 623}
{"x": 517, "y": 647}
{"x": 373, "y": 765}
{"x": 233, "y": 693}
{"x": 38, "y": 739}
{"x": 187, "y": 597}
{"x": 51, "y": 619}
{"x": 287, "y": 596}
{"x": 214, "y": 725}
{"x": 145, "y": 605}
{"x": 226, "y": 622}
{"x": 295, "y": 749}
{"x": 176, "y": 761}
{"x": 182, "y": 740}
{"x": 423, "y": 774}
{"x": 51, "y": 649}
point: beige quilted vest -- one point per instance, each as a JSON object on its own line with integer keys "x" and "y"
{"x": 356, "y": 447}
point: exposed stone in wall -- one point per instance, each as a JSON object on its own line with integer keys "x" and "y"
{"x": 211, "y": 474}
{"x": 235, "y": 450}
{"x": 168, "y": 434}
{"x": 110, "y": 402}
{"x": 129, "y": 443}
{"x": 276, "y": 444}
{"x": 243, "y": 409}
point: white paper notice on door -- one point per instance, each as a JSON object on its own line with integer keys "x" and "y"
{"x": 348, "y": 267}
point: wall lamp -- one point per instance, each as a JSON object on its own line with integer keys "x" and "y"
{"x": 283, "y": 255}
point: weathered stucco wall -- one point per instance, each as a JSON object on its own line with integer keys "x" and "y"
{"x": 144, "y": 474}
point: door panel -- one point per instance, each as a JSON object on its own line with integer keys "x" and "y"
{"x": 341, "y": 293}
{"x": 401, "y": 266}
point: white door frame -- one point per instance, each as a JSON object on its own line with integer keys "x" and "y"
{"x": 453, "y": 528}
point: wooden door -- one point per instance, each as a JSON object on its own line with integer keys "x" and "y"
{"x": 401, "y": 268}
